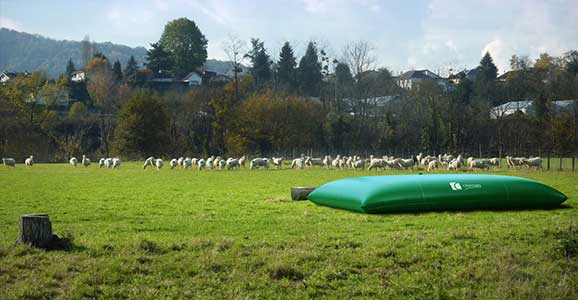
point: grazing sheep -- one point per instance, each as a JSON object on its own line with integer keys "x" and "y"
{"x": 534, "y": 162}
{"x": 327, "y": 161}
{"x": 232, "y": 163}
{"x": 101, "y": 162}
{"x": 73, "y": 161}
{"x": 201, "y": 164}
{"x": 494, "y": 162}
{"x": 116, "y": 163}
{"x": 85, "y": 161}
{"x": 174, "y": 163}
{"x": 109, "y": 163}
{"x": 29, "y": 161}
{"x": 336, "y": 162}
{"x": 210, "y": 163}
{"x": 180, "y": 161}
{"x": 358, "y": 164}
{"x": 407, "y": 163}
{"x": 187, "y": 163}
{"x": 298, "y": 163}
{"x": 376, "y": 163}
{"x": 310, "y": 161}
{"x": 242, "y": 161}
{"x": 259, "y": 162}
{"x": 159, "y": 163}
{"x": 9, "y": 162}
{"x": 456, "y": 163}
{"x": 479, "y": 164}
{"x": 194, "y": 161}
{"x": 433, "y": 165}
{"x": 277, "y": 161}
{"x": 149, "y": 162}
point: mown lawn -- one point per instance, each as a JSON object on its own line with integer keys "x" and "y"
{"x": 236, "y": 235}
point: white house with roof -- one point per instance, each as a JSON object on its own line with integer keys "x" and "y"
{"x": 78, "y": 76}
{"x": 409, "y": 79}
{"x": 526, "y": 107}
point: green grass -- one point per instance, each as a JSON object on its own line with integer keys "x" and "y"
{"x": 236, "y": 235}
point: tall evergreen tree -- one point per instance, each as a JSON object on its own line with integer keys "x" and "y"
{"x": 261, "y": 63}
{"x": 131, "y": 70}
{"x": 159, "y": 60}
{"x": 117, "y": 71}
{"x": 309, "y": 72}
{"x": 485, "y": 85}
{"x": 186, "y": 44}
{"x": 70, "y": 68}
{"x": 286, "y": 67}
{"x": 488, "y": 70}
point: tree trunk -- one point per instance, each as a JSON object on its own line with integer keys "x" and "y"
{"x": 301, "y": 193}
{"x": 35, "y": 229}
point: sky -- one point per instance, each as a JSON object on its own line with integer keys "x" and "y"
{"x": 414, "y": 34}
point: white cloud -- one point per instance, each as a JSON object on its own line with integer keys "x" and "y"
{"x": 459, "y": 32}
{"x": 10, "y": 24}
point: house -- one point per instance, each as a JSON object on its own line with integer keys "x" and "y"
{"x": 78, "y": 76}
{"x": 409, "y": 79}
{"x": 511, "y": 108}
{"x": 6, "y": 76}
{"x": 193, "y": 79}
{"x": 471, "y": 75}
{"x": 526, "y": 107}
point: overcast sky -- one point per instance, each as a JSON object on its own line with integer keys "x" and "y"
{"x": 413, "y": 34}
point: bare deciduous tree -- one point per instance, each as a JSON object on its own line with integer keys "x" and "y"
{"x": 234, "y": 47}
{"x": 359, "y": 56}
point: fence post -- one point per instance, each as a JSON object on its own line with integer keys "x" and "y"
{"x": 560, "y": 163}
{"x": 573, "y": 161}
{"x": 548, "y": 161}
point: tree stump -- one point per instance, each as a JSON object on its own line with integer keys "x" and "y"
{"x": 35, "y": 229}
{"x": 301, "y": 193}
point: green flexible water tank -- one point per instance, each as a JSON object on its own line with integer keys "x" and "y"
{"x": 404, "y": 193}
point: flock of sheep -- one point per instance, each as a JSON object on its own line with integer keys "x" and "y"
{"x": 355, "y": 162}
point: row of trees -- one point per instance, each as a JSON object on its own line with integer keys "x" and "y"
{"x": 322, "y": 104}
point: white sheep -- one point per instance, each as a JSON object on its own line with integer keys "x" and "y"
{"x": 73, "y": 161}
{"x": 277, "y": 161}
{"x": 407, "y": 163}
{"x": 85, "y": 161}
{"x": 433, "y": 165}
{"x": 180, "y": 161}
{"x": 116, "y": 163}
{"x": 242, "y": 161}
{"x": 187, "y": 163}
{"x": 101, "y": 162}
{"x": 298, "y": 163}
{"x": 9, "y": 162}
{"x": 534, "y": 162}
{"x": 109, "y": 163}
{"x": 201, "y": 164}
{"x": 259, "y": 162}
{"x": 327, "y": 161}
{"x": 149, "y": 162}
{"x": 232, "y": 163}
{"x": 376, "y": 163}
{"x": 159, "y": 163}
{"x": 479, "y": 164}
{"x": 29, "y": 161}
{"x": 174, "y": 163}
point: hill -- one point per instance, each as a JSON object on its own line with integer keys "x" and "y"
{"x": 21, "y": 51}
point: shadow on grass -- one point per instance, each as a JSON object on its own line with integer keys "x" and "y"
{"x": 505, "y": 209}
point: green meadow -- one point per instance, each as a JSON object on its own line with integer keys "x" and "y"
{"x": 183, "y": 234}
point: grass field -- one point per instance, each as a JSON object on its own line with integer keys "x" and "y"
{"x": 236, "y": 235}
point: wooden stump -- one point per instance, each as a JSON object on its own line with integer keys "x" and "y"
{"x": 301, "y": 193}
{"x": 35, "y": 229}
